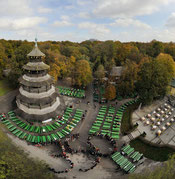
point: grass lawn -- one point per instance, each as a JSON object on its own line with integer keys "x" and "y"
{"x": 154, "y": 153}
{"x": 4, "y": 87}
{"x": 125, "y": 125}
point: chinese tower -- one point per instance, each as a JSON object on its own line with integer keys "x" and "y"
{"x": 37, "y": 100}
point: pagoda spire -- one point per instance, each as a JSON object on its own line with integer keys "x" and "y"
{"x": 36, "y": 51}
{"x": 36, "y": 45}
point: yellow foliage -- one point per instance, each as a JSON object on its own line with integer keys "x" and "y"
{"x": 168, "y": 62}
{"x": 110, "y": 92}
{"x": 82, "y": 73}
{"x": 54, "y": 71}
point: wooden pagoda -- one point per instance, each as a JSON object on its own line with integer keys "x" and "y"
{"x": 37, "y": 99}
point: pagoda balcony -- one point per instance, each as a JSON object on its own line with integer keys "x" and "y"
{"x": 37, "y": 93}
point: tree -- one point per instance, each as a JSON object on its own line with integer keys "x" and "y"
{"x": 155, "y": 48}
{"x": 166, "y": 171}
{"x": 128, "y": 78}
{"x": 170, "y": 49}
{"x": 21, "y": 54}
{"x": 100, "y": 73}
{"x": 168, "y": 63}
{"x": 154, "y": 80}
{"x": 54, "y": 71}
{"x": 82, "y": 74}
{"x": 110, "y": 92}
{"x": 3, "y": 59}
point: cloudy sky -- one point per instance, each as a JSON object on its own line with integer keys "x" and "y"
{"x": 78, "y": 20}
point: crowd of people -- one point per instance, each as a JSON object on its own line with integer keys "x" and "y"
{"x": 108, "y": 138}
{"x": 64, "y": 156}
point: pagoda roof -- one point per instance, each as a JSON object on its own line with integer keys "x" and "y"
{"x": 35, "y": 66}
{"x": 36, "y": 53}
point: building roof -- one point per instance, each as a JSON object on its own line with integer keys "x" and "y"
{"x": 36, "y": 51}
{"x": 116, "y": 71}
{"x": 36, "y": 66}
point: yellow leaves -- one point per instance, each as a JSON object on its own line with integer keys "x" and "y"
{"x": 82, "y": 73}
{"x": 72, "y": 60}
{"x": 54, "y": 71}
{"x": 168, "y": 62}
{"x": 110, "y": 92}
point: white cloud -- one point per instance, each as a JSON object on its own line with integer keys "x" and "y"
{"x": 171, "y": 21}
{"x": 127, "y": 8}
{"x": 44, "y": 10}
{"x": 15, "y": 7}
{"x": 21, "y": 23}
{"x": 96, "y": 30}
{"x": 84, "y": 15}
{"x": 63, "y": 22}
{"x": 126, "y": 22}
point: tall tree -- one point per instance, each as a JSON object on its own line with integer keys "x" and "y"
{"x": 128, "y": 78}
{"x": 82, "y": 74}
{"x": 154, "y": 80}
{"x": 110, "y": 92}
{"x": 100, "y": 73}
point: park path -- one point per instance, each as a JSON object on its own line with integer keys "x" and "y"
{"x": 127, "y": 138}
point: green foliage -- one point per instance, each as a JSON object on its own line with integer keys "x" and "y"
{"x": 155, "y": 48}
{"x": 4, "y": 87}
{"x": 21, "y": 54}
{"x": 15, "y": 164}
{"x": 100, "y": 73}
{"x": 126, "y": 126}
{"x": 128, "y": 78}
{"x": 166, "y": 171}
{"x": 154, "y": 78}
{"x": 151, "y": 152}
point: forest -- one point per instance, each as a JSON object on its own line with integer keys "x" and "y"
{"x": 148, "y": 67}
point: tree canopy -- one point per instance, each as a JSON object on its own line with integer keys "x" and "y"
{"x": 82, "y": 74}
{"x": 64, "y": 57}
{"x": 110, "y": 92}
{"x": 155, "y": 77}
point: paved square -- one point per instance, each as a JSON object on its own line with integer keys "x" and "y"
{"x": 168, "y": 136}
{"x": 171, "y": 142}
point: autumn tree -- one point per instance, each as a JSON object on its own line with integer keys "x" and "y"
{"x": 154, "y": 78}
{"x": 170, "y": 49}
{"x": 100, "y": 73}
{"x": 110, "y": 92}
{"x": 54, "y": 71}
{"x": 168, "y": 63}
{"x": 82, "y": 74}
{"x": 128, "y": 78}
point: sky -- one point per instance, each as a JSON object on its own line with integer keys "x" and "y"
{"x": 79, "y": 20}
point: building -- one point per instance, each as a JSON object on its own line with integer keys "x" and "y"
{"x": 115, "y": 74}
{"x": 37, "y": 99}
